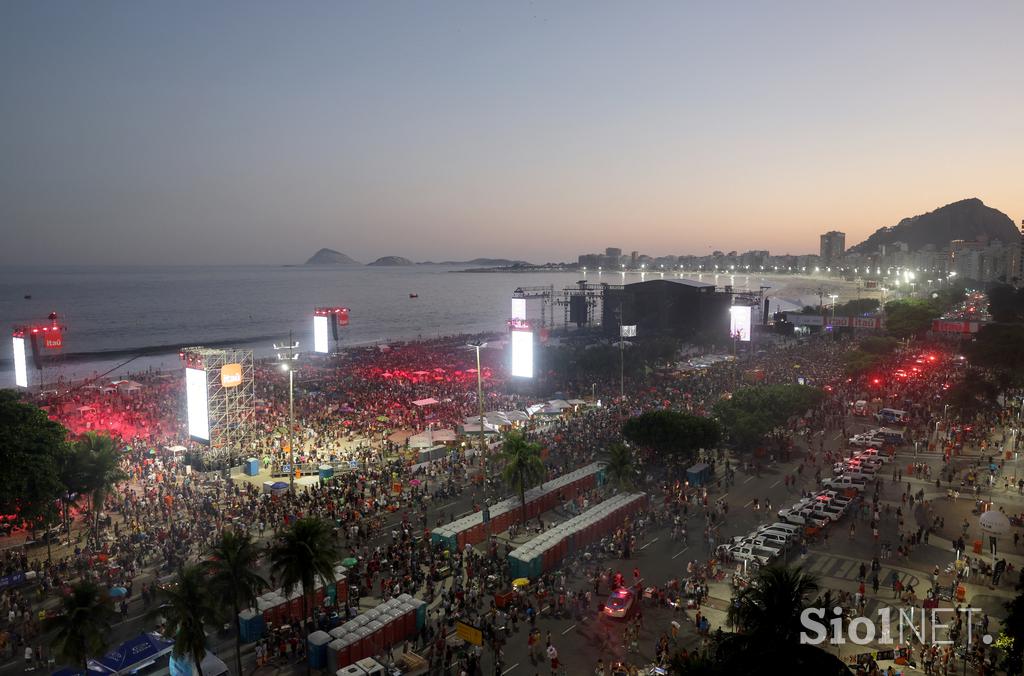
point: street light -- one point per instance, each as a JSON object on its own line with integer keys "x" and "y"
{"x": 476, "y": 345}
{"x": 287, "y": 354}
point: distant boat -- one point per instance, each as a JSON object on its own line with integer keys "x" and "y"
{"x": 414, "y": 295}
{"x": 28, "y": 296}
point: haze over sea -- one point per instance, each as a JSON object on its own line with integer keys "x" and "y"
{"x": 112, "y": 314}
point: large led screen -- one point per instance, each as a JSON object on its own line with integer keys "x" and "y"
{"x": 20, "y": 368}
{"x": 198, "y": 414}
{"x": 320, "y": 334}
{"x": 519, "y": 308}
{"x": 739, "y": 322}
{"x": 522, "y": 354}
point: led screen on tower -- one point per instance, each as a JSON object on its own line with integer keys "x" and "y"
{"x": 198, "y": 413}
{"x": 20, "y": 368}
{"x": 739, "y": 322}
{"x": 320, "y": 327}
{"x": 522, "y": 354}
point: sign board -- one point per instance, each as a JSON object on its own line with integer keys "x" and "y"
{"x": 627, "y": 331}
{"x": 469, "y": 633}
{"x": 231, "y": 375}
{"x": 53, "y": 339}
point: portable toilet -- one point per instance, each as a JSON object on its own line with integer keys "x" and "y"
{"x": 318, "y": 641}
{"x": 350, "y": 670}
{"x": 376, "y": 628}
{"x": 252, "y": 467}
{"x": 250, "y": 625}
{"x": 371, "y": 667}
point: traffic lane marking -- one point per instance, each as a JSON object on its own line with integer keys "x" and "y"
{"x": 679, "y": 553}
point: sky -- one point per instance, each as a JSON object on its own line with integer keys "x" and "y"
{"x": 257, "y": 132}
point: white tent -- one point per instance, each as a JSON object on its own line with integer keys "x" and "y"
{"x": 428, "y": 438}
{"x": 424, "y": 402}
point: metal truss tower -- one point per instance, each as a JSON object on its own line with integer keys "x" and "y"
{"x": 230, "y": 395}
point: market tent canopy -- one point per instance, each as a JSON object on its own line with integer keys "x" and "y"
{"x": 428, "y": 438}
{"x": 133, "y": 654}
{"x": 400, "y": 436}
{"x": 424, "y": 402}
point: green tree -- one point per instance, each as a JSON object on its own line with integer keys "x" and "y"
{"x": 859, "y": 361}
{"x": 997, "y": 347}
{"x": 32, "y": 450}
{"x": 972, "y": 394}
{"x": 752, "y": 412}
{"x": 234, "y": 582}
{"x": 856, "y": 307}
{"x": 880, "y": 345}
{"x": 622, "y": 469}
{"x": 524, "y": 468}
{"x": 906, "y": 318}
{"x": 672, "y": 433}
{"x": 83, "y": 625}
{"x": 187, "y": 608}
{"x": 304, "y": 553}
{"x": 100, "y": 463}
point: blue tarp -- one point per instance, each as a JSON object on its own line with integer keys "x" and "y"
{"x": 132, "y": 653}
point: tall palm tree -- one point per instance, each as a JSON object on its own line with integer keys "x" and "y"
{"x": 233, "y": 578}
{"x": 187, "y": 608}
{"x": 101, "y": 464}
{"x": 304, "y": 553}
{"x": 622, "y": 469}
{"x": 523, "y": 466}
{"x": 83, "y": 628}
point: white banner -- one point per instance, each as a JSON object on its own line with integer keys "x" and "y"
{"x": 627, "y": 331}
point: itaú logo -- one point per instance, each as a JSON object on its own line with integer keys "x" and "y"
{"x": 923, "y": 623}
{"x": 231, "y": 375}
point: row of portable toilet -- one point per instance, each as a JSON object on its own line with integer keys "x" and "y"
{"x": 546, "y": 551}
{"x": 472, "y": 530}
{"x": 368, "y": 634}
{"x": 277, "y": 608}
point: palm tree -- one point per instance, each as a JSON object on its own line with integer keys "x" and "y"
{"x": 188, "y": 607}
{"x": 83, "y": 628}
{"x": 305, "y": 551}
{"x": 101, "y": 464}
{"x": 770, "y": 607}
{"x": 622, "y": 468}
{"x": 767, "y": 617}
{"x": 523, "y": 466}
{"x": 233, "y": 578}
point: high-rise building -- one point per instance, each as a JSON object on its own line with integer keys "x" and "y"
{"x": 613, "y": 252}
{"x": 833, "y": 247}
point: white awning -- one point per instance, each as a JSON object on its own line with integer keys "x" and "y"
{"x": 425, "y": 402}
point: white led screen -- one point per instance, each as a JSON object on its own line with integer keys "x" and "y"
{"x": 519, "y": 308}
{"x": 320, "y": 334}
{"x": 198, "y": 414}
{"x": 20, "y": 368}
{"x": 739, "y": 322}
{"x": 522, "y": 354}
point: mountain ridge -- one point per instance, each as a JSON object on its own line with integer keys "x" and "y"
{"x": 967, "y": 219}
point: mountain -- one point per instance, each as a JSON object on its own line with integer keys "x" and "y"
{"x": 486, "y": 262}
{"x": 391, "y": 260}
{"x": 330, "y": 257}
{"x": 967, "y": 219}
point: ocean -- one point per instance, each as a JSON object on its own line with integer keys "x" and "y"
{"x": 113, "y": 314}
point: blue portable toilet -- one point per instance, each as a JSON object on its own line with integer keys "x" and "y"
{"x": 252, "y": 467}
{"x": 318, "y": 641}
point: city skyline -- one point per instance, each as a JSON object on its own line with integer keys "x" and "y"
{"x": 257, "y": 133}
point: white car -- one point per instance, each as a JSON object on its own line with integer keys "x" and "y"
{"x": 866, "y": 440}
{"x": 845, "y": 482}
{"x": 803, "y": 517}
{"x": 871, "y": 453}
{"x": 749, "y": 553}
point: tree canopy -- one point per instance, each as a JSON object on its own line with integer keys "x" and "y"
{"x": 33, "y": 449}
{"x": 752, "y": 412}
{"x": 672, "y": 433}
{"x": 997, "y": 347}
{"x": 908, "y": 317}
{"x": 524, "y": 467}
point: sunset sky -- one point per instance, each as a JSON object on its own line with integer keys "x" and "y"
{"x": 258, "y": 132}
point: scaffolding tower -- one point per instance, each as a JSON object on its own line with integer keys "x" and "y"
{"x": 230, "y": 395}
{"x": 583, "y": 304}
{"x": 546, "y": 294}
